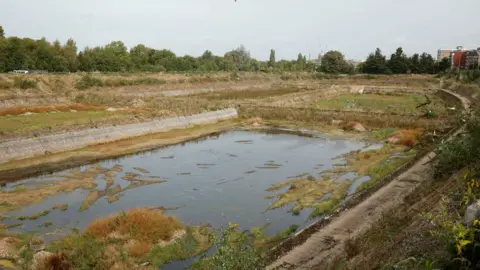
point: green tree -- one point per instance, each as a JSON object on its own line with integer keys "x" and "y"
{"x": 414, "y": 63}
{"x": 207, "y": 56}
{"x": 2, "y": 32}
{"x": 240, "y": 57}
{"x": 443, "y": 65}
{"x": 272, "y": 60}
{"x": 3, "y": 55}
{"x": 300, "y": 62}
{"x": 206, "y": 62}
{"x": 376, "y": 63}
{"x": 116, "y": 57}
{"x": 69, "y": 53}
{"x": 59, "y": 64}
{"x": 427, "y": 63}
{"x": 139, "y": 56}
{"x": 334, "y": 62}
{"x": 86, "y": 60}
{"x": 398, "y": 63}
{"x": 15, "y": 53}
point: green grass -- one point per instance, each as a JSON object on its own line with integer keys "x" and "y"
{"x": 402, "y": 104}
{"x": 382, "y": 134}
{"x": 194, "y": 243}
{"x": 25, "y": 123}
{"x": 380, "y": 171}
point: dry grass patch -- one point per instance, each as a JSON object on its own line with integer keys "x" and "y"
{"x": 406, "y": 137}
{"x": 60, "y": 120}
{"x": 361, "y": 162}
{"x": 113, "y": 198}
{"x": 139, "y": 224}
{"x": 14, "y": 200}
{"x": 136, "y": 248}
{"x": 64, "y": 182}
{"x": 47, "y": 109}
{"x": 316, "y": 116}
{"x": 249, "y": 94}
{"x": 398, "y": 104}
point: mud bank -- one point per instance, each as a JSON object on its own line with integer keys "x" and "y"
{"x": 27, "y": 148}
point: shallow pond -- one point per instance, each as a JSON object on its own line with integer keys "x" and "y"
{"x": 216, "y": 180}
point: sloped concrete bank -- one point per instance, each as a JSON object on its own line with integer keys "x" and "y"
{"x": 27, "y": 148}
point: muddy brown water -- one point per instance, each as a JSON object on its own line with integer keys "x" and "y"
{"x": 216, "y": 180}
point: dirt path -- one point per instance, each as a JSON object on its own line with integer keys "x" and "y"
{"x": 323, "y": 248}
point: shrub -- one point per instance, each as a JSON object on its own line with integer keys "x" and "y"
{"x": 461, "y": 151}
{"x": 139, "y": 224}
{"x": 88, "y": 81}
{"x": 80, "y": 252}
{"x": 20, "y": 82}
{"x": 5, "y": 85}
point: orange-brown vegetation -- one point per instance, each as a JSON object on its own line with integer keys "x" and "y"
{"x": 139, "y": 224}
{"x": 406, "y": 137}
{"x": 136, "y": 248}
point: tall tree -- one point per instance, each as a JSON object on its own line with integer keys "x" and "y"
{"x": 240, "y": 57}
{"x": 69, "y": 52}
{"x": 300, "y": 62}
{"x": 272, "y": 60}
{"x": 2, "y": 32}
{"x": 139, "y": 56}
{"x": 443, "y": 65}
{"x": 398, "y": 63}
{"x": 414, "y": 63}
{"x": 427, "y": 63}
{"x": 207, "y": 55}
{"x": 116, "y": 57}
{"x": 376, "y": 63}
{"x": 334, "y": 62}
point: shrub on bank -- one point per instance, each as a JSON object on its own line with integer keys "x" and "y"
{"x": 22, "y": 83}
{"x": 88, "y": 81}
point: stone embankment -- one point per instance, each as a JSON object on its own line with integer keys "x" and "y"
{"x": 26, "y": 148}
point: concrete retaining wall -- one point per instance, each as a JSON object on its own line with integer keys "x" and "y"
{"x": 25, "y": 148}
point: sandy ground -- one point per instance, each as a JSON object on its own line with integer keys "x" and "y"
{"x": 322, "y": 249}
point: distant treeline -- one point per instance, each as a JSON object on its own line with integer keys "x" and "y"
{"x": 28, "y": 54}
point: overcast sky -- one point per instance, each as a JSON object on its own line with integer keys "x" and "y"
{"x": 355, "y": 27}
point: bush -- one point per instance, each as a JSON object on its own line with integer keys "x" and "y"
{"x": 5, "y": 85}
{"x": 20, "y": 82}
{"x": 461, "y": 151}
{"x": 88, "y": 81}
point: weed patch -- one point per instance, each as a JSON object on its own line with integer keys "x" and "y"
{"x": 88, "y": 81}
{"x": 22, "y": 83}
